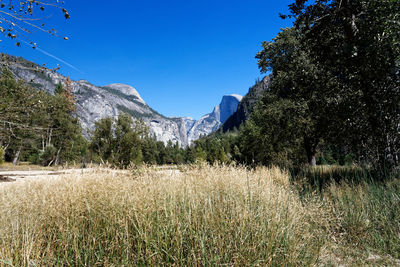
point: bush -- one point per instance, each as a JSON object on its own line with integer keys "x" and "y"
{"x": 48, "y": 155}
{"x": 34, "y": 157}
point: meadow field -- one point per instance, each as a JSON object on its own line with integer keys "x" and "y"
{"x": 199, "y": 215}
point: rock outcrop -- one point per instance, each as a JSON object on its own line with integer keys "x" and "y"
{"x": 211, "y": 122}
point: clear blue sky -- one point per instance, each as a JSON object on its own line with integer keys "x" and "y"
{"x": 181, "y": 55}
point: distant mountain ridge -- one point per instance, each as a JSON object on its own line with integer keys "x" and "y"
{"x": 97, "y": 102}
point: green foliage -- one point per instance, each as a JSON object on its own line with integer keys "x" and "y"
{"x": 122, "y": 142}
{"x": 334, "y": 94}
{"x": 149, "y": 150}
{"x": 33, "y": 120}
{"x": 59, "y": 89}
{"x": 335, "y": 90}
{"x": 1, "y": 155}
{"x": 216, "y": 148}
{"x": 48, "y": 156}
{"x": 275, "y": 133}
{"x": 360, "y": 76}
{"x": 102, "y": 139}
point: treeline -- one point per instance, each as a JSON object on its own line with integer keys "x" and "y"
{"x": 41, "y": 128}
{"x": 335, "y": 91}
{"x": 246, "y": 146}
{"x": 122, "y": 142}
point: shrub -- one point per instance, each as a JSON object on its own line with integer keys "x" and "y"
{"x": 48, "y": 155}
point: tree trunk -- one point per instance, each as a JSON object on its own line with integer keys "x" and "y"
{"x": 8, "y": 143}
{"x": 57, "y": 158}
{"x": 43, "y": 143}
{"x": 83, "y": 162}
{"x": 50, "y": 132}
{"x": 311, "y": 151}
{"x": 16, "y": 158}
{"x": 313, "y": 161}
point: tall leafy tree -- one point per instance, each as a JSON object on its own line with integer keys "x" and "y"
{"x": 122, "y": 142}
{"x": 102, "y": 141}
{"x": 339, "y": 65}
{"x": 357, "y": 43}
{"x": 19, "y": 110}
{"x": 298, "y": 98}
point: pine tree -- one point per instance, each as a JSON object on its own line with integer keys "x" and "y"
{"x": 59, "y": 89}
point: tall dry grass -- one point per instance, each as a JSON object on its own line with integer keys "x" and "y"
{"x": 196, "y": 216}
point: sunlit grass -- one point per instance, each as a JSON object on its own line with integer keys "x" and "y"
{"x": 194, "y": 216}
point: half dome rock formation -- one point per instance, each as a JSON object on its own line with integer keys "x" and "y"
{"x": 228, "y": 106}
{"x": 211, "y": 122}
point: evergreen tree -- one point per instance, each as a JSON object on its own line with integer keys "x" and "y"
{"x": 222, "y": 157}
{"x": 102, "y": 141}
{"x": 34, "y": 120}
{"x": 201, "y": 155}
{"x": 59, "y": 89}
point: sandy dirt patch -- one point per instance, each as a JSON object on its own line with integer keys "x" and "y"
{"x": 17, "y": 176}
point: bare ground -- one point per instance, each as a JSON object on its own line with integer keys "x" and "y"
{"x": 18, "y": 176}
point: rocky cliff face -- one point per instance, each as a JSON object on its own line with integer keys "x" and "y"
{"x": 247, "y": 105}
{"x": 97, "y": 102}
{"x": 213, "y": 121}
{"x": 228, "y": 106}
